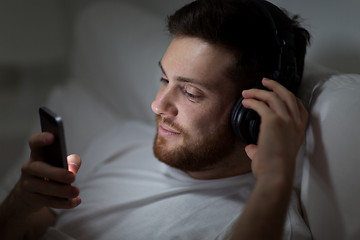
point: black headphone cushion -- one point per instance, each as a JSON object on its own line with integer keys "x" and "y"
{"x": 245, "y": 123}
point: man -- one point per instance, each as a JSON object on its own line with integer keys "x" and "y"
{"x": 202, "y": 187}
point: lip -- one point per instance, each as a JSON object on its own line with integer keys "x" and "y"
{"x": 165, "y": 130}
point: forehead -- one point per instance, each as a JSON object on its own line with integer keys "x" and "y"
{"x": 193, "y": 58}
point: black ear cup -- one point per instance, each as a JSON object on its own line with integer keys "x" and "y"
{"x": 245, "y": 123}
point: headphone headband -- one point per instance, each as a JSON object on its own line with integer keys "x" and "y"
{"x": 285, "y": 70}
{"x": 246, "y": 122}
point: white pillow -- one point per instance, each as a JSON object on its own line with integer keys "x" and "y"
{"x": 84, "y": 116}
{"x": 330, "y": 187}
{"x": 117, "y": 50}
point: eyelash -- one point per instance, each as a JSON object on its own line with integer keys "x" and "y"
{"x": 164, "y": 80}
{"x": 190, "y": 95}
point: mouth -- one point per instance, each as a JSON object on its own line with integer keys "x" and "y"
{"x": 167, "y": 131}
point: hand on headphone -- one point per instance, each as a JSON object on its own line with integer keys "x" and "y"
{"x": 282, "y": 130}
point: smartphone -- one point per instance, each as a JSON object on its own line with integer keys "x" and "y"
{"x": 55, "y": 154}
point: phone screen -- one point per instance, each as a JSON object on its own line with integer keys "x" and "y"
{"x": 55, "y": 154}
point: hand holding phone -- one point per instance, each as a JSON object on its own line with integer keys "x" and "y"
{"x": 41, "y": 184}
{"x": 55, "y": 154}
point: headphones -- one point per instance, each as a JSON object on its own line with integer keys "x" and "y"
{"x": 246, "y": 122}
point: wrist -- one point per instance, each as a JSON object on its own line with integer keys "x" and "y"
{"x": 276, "y": 187}
{"x": 278, "y": 173}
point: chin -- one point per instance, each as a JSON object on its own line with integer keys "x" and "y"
{"x": 192, "y": 155}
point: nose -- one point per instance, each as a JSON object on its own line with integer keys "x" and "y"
{"x": 164, "y": 103}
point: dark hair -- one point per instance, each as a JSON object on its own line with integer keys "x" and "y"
{"x": 240, "y": 27}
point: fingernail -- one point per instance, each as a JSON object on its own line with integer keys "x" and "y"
{"x": 73, "y": 166}
{"x": 77, "y": 201}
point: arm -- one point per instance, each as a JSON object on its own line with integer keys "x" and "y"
{"x": 264, "y": 214}
{"x": 26, "y": 213}
{"x": 282, "y": 129}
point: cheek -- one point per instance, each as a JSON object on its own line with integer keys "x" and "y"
{"x": 206, "y": 119}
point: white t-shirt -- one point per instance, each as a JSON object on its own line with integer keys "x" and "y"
{"x": 128, "y": 194}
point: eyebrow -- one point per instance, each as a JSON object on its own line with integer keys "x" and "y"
{"x": 185, "y": 79}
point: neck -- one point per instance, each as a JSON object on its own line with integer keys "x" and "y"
{"x": 235, "y": 164}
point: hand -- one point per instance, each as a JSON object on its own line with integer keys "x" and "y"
{"x": 43, "y": 185}
{"x": 282, "y": 130}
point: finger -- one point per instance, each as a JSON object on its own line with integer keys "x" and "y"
{"x": 304, "y": 117}
{"x": 285, "y": 95}
{"x": 53, "y": 202}
{"x": 49, "y": 188}
{"x": 41, "y": 139}
{"x": 270, "y": 98}
{"x": 251, "y": 151}
{"x": 37, "y": 142}
{"x": 258, "y": 106}
{"x": 74, "y": 163}
{"x": 43, "y": 170}
{"x": 303, "y": 112}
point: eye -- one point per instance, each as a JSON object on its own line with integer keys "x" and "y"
{"x": 190, "y": 93}
{"x": 164, "y": 80}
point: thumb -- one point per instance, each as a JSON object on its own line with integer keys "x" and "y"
{"x": 251, "y": 151}
{"x": 74, "y": 163}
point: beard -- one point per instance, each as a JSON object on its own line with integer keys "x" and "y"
{"x": 195, "y": 153}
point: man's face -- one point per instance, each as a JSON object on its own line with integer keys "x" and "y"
{"x": 193, "y": 106}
